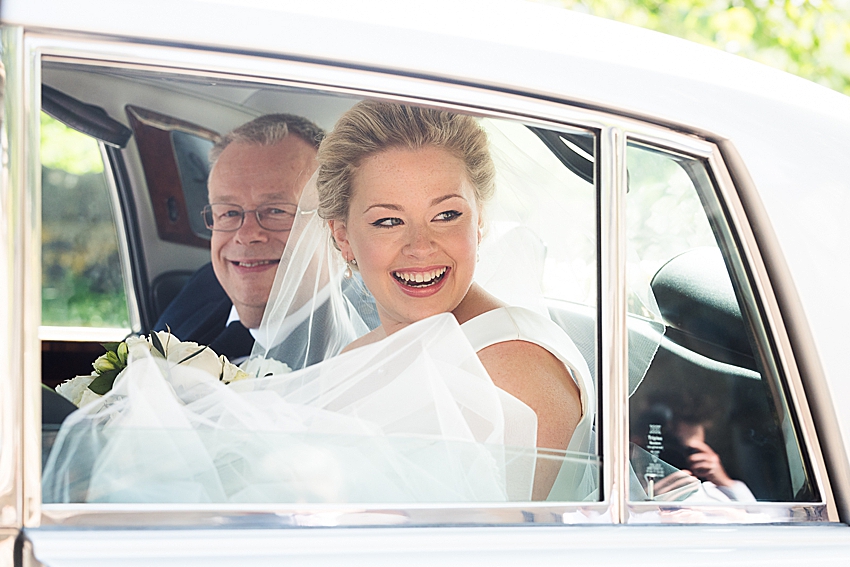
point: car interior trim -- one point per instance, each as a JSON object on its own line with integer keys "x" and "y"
{"x": 86, "y": 118}
{"x": 137, "y": 268}
{"x": 122, "y": 230}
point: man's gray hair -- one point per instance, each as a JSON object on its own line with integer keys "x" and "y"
{"x": 268, "y": 130}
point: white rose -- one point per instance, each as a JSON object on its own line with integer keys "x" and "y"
{"x": 259, "y": 367}
{"x": 88, "y": 397}
{"x": 74, "y": 388}
{"x": 206, "y": 360}
{"x": 230, "y": 372}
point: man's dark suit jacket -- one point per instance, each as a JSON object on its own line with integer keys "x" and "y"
{"x": 201, "y": 309}
{"x": 199, "y": 313}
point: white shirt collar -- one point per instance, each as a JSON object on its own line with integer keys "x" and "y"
{"x": 289, "y": 323}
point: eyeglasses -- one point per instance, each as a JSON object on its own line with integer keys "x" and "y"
{"x": 225, "y": 217}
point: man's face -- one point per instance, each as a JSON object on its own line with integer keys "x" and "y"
{"x": 251, "y": 175}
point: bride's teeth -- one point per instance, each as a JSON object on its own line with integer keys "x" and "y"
{"x": 426, "y": 278}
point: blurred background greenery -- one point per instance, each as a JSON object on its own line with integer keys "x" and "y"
{"x": 82, "y": 283}
{"x": 809, "y": 38}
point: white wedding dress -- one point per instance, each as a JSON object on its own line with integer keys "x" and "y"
{"x": 578, "y": 476}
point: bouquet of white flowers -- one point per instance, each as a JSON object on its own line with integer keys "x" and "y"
{"x": 107, "y": 368}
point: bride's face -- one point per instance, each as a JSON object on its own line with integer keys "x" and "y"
{"x": 413, "y": 226}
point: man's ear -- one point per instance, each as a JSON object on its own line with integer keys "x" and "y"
{"x": 340, "y": 234}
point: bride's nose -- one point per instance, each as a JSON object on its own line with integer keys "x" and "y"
{"x": 420, "y": 241}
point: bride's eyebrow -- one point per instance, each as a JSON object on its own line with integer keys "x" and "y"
{"x": 382, "y": 206}
{"x": 439, "y": 200}
{"x": 434, "y": 202}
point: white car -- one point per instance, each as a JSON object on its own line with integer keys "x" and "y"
{"x": 691, "y": 210}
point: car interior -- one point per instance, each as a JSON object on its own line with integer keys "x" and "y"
{"x": 156, "y": 130}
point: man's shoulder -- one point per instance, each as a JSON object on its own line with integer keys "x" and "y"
{"x": 201, "y": 289}
{"x": 202, "y": 306}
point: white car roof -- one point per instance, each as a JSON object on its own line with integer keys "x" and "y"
{"x": 793, "y": 135}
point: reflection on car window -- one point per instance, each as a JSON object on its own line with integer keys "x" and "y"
{"x": 709, "y": 421}
{"x": 82, "y": 279}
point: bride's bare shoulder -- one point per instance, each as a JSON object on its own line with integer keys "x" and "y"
{"x": 371, "y": 337}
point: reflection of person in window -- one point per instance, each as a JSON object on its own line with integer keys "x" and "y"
{"x": 678, "y": 439}
{"x": 704, "y": 463}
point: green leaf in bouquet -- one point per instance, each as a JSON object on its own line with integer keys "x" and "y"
{"x": 193, "y": 355}
{"x": 103, "y": 383}
{"x": 157, "y": 344}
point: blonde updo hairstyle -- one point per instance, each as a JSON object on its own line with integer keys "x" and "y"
{"x": 370, "y": 127}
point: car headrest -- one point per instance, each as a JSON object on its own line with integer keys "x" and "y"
{"x": 696, "y": 298}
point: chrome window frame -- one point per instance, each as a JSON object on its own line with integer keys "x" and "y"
{"x": 613, "y": 131}
{"x": 12, "y": 198}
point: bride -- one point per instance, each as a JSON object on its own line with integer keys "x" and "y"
{"x": 455, "y": 396}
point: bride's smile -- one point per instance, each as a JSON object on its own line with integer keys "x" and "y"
{"x": 413, "y": 227}
{"x": 421, "y": 278}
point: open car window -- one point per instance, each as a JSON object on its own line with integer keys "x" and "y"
{"x": 83, "y": 282}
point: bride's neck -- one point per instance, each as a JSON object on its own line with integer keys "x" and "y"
{"x": 474, "y": 303}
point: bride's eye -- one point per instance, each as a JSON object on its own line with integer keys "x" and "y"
{"x": 448, "y": 215}
{"x": 387, "y": 222}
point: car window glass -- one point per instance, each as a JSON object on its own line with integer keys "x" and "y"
{"x": 709, "y": 419}
{"x": 540, "y": 229}
{"x": 82, "y": 276}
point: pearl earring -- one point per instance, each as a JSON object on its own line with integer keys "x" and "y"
{"x": 349, "y": 273}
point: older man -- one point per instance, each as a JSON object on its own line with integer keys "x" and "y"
{"x": 258, "y": 173}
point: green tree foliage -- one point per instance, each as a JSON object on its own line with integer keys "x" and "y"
{"x": 67, "y": 150}
{"x": 82, "y": 282}
{"x": 810, "y": 38}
